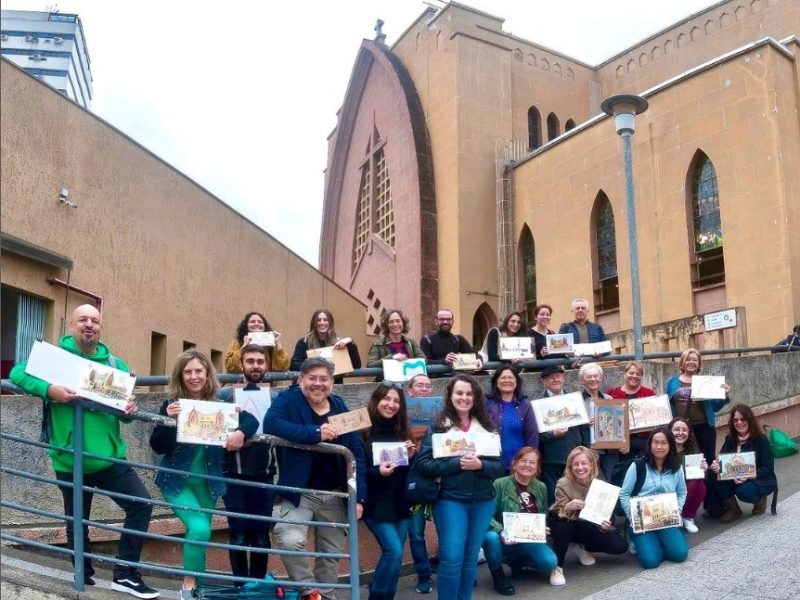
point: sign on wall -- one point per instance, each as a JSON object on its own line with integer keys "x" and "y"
{"x": 722, "y": 319}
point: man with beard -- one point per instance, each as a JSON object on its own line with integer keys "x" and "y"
{"x": 102, "y": 437}
{"x": 442, "y": 345}
{"x": 300, "y": 415}
{"x": 254, "y": 463}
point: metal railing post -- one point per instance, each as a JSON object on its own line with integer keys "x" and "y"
{"x": 77, "y": 496}
{"x": 352, "y": 538}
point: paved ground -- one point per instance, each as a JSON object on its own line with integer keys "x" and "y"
{"x": 755, "y": 558}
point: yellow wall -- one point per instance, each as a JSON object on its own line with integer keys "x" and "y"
{"x": 166, "y": 255}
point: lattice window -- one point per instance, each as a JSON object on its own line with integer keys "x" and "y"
{"x": 363, "y": 216}
{"x": 708, "y": 260}
{"x": 384, "y": 214}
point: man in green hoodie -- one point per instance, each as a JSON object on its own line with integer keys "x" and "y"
{"x": 101, "y": 436}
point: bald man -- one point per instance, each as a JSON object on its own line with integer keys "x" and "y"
{"x": 101, "y": 436}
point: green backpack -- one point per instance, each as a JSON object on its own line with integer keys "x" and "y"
{"x": 782, "y": 445}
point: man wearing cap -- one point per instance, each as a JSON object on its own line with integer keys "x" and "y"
{"x": 556, "y": 445}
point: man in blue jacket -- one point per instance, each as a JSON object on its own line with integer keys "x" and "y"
{"x": 300, "y": 415}
{"x": 582, "y": 329}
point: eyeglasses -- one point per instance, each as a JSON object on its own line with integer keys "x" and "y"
{"x": 530, "y": 463}
{"x": 392, "y": 385}
{"x": 740, "y": 420}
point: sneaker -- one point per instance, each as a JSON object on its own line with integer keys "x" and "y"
{"x": 585, "y": 557}
{"x": 557, "y": 577}
{"x": 481, "y": 557}
{"x": 132, "y": 584}
{"x": 88, "y": 580}
{"x": 632, "y": 548}
{"x": 424, "y": 585}
{"x": 688, "y": 525}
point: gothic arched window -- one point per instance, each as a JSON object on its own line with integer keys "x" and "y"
{"x": 604, "y": 255}
{"x": 534, "y": 128}
{"x": 708, "y": 263}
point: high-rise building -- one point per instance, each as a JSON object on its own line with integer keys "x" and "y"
{"x": 50, "y": 46}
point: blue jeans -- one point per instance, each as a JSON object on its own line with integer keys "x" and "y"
{"x": 416, "y": 541}
{"x": 391, "y": 538}
{"x": 461, "y": 527}
{"x": 539, "y": 557}
{"x": 653, "y": 547}
{"x": 749, "y": 492}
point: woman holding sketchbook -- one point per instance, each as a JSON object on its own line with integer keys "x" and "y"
{"x": 193, "y": 378}
{"x": 394, "y": 343}
{"x": 465, "y": 503}
{"x": 745, "y": 435}
{"x": 321, "y": 334}
{"x": 686, "y": 445}
{"x": 386, "y": 512}
{"x": 519, "y": 492}
{"x": 701, "y": 415}
{"x": 566, "y": 528}
{"x": 659, "y": 472}
{"x": 632, "y": 388}
{"x": 254, "y": 322}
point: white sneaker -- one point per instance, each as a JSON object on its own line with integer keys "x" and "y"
{"x": 632, "y": 548}
{"x": 557, "y": 577}
{"x": 688, "y": 525}
{"x": 481, "y": 557}
{"x": 585, "y": 557}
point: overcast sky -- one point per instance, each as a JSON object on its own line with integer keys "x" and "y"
{"x": 242, "y": 95}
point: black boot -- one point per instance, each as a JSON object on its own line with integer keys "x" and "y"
{"x": 502, "y": 585}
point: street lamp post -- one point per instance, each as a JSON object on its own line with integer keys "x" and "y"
{"x": 624, "y": 108}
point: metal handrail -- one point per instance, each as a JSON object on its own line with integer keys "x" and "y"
{"x": 536, "y": 365}
{"x": 79, "y": 552}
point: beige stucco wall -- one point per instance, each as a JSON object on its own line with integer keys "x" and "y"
{"x": 728, "y": 112}
{"x": 165, "y": 254}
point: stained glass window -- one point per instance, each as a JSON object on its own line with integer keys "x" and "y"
{"x": 528, "y": 255}
{"x": 606, "y": 240}
{"x": 534, "y": 125}
{"x": 705, "y": 207}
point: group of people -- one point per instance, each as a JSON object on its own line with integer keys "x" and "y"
{"x": 547, "y": 472}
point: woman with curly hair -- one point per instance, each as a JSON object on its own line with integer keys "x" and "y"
{"x": 277, "y": 357}
{"x": 466, "y": 504}
{"x": 394, "y": 343}
{"x": 512, "y": 326}
{"x": 512, "y": 413}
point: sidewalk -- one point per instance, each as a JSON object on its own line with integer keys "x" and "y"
{"x": 754, "y": 558}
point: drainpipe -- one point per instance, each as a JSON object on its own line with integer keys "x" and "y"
{"x": 98, "y": 300}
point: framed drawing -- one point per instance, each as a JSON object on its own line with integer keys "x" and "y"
{"x": 338, "y": 356}
{"x": 458, "y": 443}
{"x": 600, "y": 502}
{"x": 707, "y": 387}
{"x": 262, "y": 338}
{"x": 510, "y": 348}
{"x": 740, "y": 465}
{"x": 403, "y": 370}
{"x": 353, "y": 420}
{"x": 525, "y": 528}
{"x": 610, "y": 429}
{"x": 646, "y": 413}
{"x": 560, "y": 343}
{"x": 659, "y": 511}
{"x": 205, "y": 422}
{"x": 393, "y": 452}
{"x": 466, "y": 362}
{"x": 559, "y": 412}
{"x": 692, "y": 468}
{"x": 422, "y": 411}
{"x": 595, "y": 349}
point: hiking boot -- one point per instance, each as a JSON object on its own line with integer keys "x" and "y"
{"x": 760, "y": 507}
{"x": 732, "y": 511}
{"x": 502, "y": 585}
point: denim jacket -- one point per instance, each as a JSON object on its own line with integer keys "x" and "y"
{"x": 163, "y": 440}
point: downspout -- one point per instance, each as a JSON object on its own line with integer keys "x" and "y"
{"x": 98, "y": 300}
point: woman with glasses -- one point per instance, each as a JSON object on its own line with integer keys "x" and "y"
{"x": 745, "y": 435}
{"x": 466, "y": 496}
{"x": 394, "y": 343}
{"x": 701, "y": 416}
{"x": 566, "y": 528}
{"x": 663, "y": 473}
{"x": 386, "y": 513}
{"x": 520, "y": 492}
{"x": 511, "y": 413}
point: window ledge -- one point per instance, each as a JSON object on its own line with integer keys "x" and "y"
{"x": 710, "y": 286}
{"x": 607, "y": 311}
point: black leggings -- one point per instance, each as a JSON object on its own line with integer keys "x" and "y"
{"x": 706, "y": 436}
{"x": 590, "y": 535}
